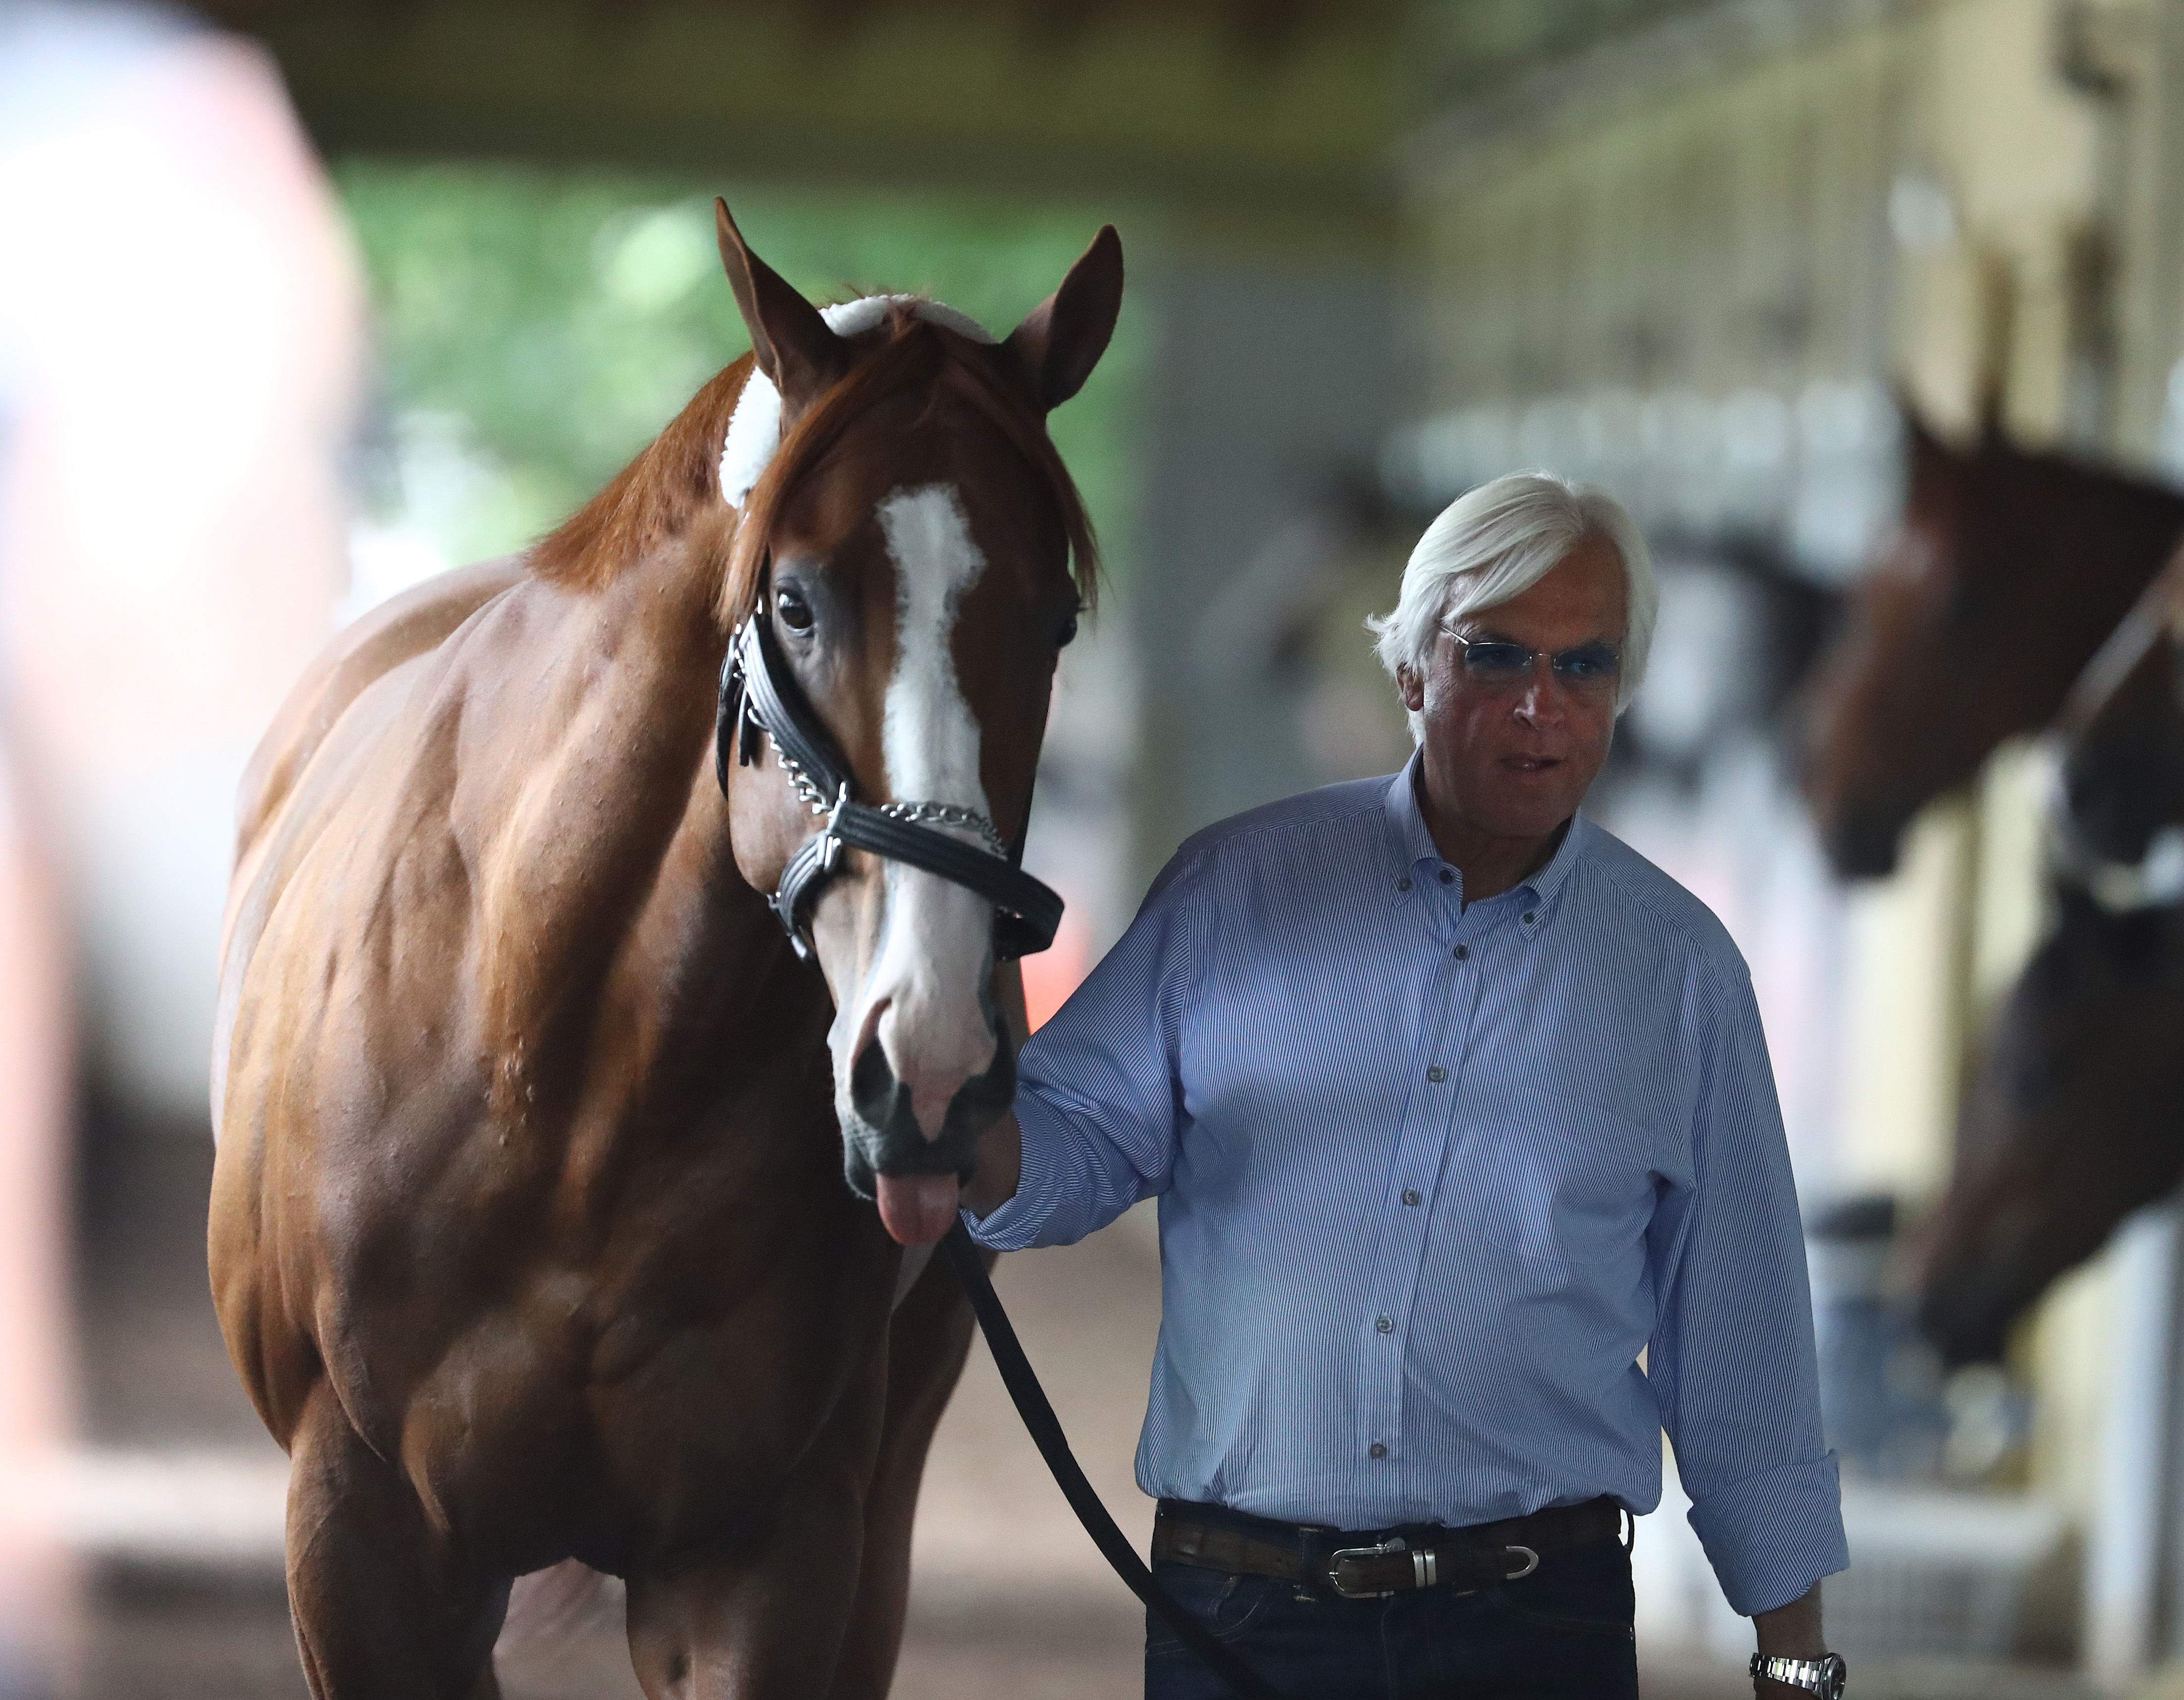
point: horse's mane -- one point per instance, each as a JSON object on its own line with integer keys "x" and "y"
{"x": 677, "y": 477}
{"x": 652, "y": 499}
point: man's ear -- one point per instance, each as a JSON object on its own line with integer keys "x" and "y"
{"x": 1411, "y": 686}
{"x": 793, "y": 346}
{"x": 1062, "y": 338}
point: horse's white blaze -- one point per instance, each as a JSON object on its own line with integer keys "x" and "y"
{"x": 928, "y": 978}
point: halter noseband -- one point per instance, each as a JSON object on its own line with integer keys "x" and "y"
{"x": 759, "y": 695}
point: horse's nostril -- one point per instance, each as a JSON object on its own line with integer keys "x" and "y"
{"x": 873, "y": 1085}
{"x": 883, "y": 1102}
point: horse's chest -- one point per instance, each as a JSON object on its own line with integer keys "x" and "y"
{"x": 575, "y": 1406}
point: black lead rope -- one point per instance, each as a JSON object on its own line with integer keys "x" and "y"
{"x": 1046, "y": 1431}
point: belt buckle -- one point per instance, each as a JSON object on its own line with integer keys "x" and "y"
{"x": 1422, "y": 1562}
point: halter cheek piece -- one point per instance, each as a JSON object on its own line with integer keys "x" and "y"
{"x": 760, "y": 696}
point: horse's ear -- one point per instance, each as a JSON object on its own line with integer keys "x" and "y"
{"x": 793, "y": 346}
{"x": 1062, "y": 338}
{"x": 1929, "y": 454}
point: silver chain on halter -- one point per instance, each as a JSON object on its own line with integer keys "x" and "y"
{"x": 929, "y": 813}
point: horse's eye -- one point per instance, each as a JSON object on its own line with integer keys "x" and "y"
{"x": 1068, "y": 635}
{"x": 794, "y": 611}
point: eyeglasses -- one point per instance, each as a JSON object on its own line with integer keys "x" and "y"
{"x": 1590, "y": 671}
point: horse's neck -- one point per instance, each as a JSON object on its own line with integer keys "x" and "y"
{"x": 2116, "y": 540}
{"x": 611, "y": 893}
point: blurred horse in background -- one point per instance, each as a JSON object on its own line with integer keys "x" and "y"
{"x": 530, "y": 1237}
{"x": 2007, "y": 572}
{"x": 2123, "y": 728}
{"x": 2074, "y": 1118}
{"x": 2076, "y": 1115}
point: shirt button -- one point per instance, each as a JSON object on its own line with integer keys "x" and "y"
{"x": 1529, "y": 918}
{"x": 1403, "y": 885}
{"x": 1436, "y": 1074}
{"x": 1410, "y": 1195}
{"x": 1386, "y": 1324}
{"x": 1463, "y": 952}
{"x": 1447, "y": 878}
{"x": 1376, "y": 1450}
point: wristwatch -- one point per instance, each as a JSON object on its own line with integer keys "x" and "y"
{"x": 1823, "y": 1676}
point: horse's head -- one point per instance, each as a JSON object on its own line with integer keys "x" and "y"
{"x": 2004, "y": 573}
{"x": 908, "y": 533}
{"x": 2072, "y": 1123}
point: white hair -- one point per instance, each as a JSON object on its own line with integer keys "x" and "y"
{"x": 1496, "y": 542}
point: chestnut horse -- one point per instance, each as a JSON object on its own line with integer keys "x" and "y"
{"x": 2075, "y": 1116}
{"x": 529, "y": 1232}
{"x": 2007, "y": 572}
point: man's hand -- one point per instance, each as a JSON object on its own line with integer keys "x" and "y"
{"x": 1000, "y": 1164}
{"x": 1001, "y": 1146}
{"x": 1790, "y": 1631}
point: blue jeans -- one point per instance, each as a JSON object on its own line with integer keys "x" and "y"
{"x": 1561, "y": 1633}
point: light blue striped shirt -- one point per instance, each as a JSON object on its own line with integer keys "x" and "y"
{"x": 1431, "y": 1177}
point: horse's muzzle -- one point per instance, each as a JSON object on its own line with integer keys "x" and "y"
{"x": 884, "y": 1138}
{"x": 1862, "y": 843}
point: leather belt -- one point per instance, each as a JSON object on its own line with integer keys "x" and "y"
{"x": 1382, "y": 1562}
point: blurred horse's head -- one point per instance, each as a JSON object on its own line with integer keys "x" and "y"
{"x": 2005, "y": 574}
{"x": 908, "y": 533}
{"x": 2074, "y": 1118}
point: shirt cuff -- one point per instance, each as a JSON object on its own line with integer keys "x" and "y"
{"x": 1770, "y": 1536}
{"x": 1014, "y": 1224}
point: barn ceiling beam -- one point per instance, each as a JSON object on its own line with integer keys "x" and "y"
{"x": 1263, "y": 119}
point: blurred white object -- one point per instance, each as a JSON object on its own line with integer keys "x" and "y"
{"x": 1708, "y": 644}
{"x": 2128, "y": 1567}
{"x": 201, "y": 1507}
{"x": 179, "y": 344}
{"x": 36, "y": 1584}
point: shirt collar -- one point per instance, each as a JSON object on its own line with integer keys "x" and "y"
{"x": 1409, "y": 843}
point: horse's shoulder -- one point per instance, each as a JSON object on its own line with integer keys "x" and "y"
{"x": 303, "y": 771}
{"x": 397, "y": 631}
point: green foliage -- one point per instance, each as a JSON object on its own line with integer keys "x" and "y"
{"x": 535, "y": 328}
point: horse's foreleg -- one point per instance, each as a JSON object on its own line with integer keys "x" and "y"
{"x": 383, "y": 1608}
{"x": 927, "y": 1342}
{"x": 761, "y": 1619}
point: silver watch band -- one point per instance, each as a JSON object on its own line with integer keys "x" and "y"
{"x": 1823, "y": 1676}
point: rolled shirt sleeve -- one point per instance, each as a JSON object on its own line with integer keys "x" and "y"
{"x": 1731, "y": 1360}
{"x": 1097, "y": 1087}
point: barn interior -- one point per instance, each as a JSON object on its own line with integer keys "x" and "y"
{"x": 303, "y": 302}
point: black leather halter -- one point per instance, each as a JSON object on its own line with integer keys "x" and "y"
{"x": 759, "y": 695}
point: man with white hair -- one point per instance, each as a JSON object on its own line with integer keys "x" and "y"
{"x": 1454, "y": 1107}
